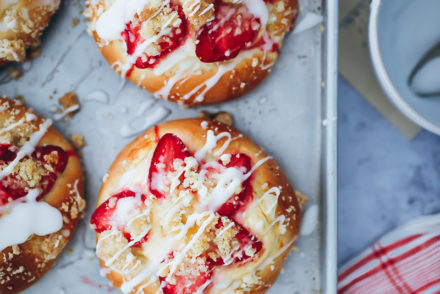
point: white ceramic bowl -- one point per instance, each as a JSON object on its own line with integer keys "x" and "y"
{"x": 400, "y": 32}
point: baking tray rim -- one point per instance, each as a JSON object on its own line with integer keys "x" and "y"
{"x": 329, "y": 151}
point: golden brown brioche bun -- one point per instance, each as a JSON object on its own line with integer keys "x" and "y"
{"x": 22, "y": 265}
{"x": 274, "y": 221}
{"x": 181, "y": 76}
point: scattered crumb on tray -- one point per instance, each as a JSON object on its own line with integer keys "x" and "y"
{"x": 19, "y": 98}
{"x": 35, "y": 52}
{"x": 302, "y": 199}
{"x": 15, "y": 73}
{"x": 222, "y": 116}
{"x": 77, "y": 141}
{"x": 69, "y": 101}
{"x": 75, "y": 21}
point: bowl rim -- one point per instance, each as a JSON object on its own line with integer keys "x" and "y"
{"x": 383, "y": 77}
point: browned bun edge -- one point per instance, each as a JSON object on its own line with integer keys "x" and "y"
{"x": 268, "y": 174}
{"x": 24, "y": 264}
{"x": 246, "y": 75}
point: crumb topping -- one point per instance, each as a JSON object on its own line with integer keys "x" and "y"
{"x": 187, "y": 237}
{"x": 24, "y": 23}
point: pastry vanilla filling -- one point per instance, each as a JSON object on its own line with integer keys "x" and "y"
{"x": 190, "y": 223}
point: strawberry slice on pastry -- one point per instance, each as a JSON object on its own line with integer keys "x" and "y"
{"x": 234, "y": 28}
{"x": 169, "y": 37}
{"x": 169, "y": 149}
{"x": 186, "y": 284}
{"x": 51, "y": 159}
{"x": 115, "y": 213}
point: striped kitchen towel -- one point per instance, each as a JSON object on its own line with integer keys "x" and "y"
{"x": 406, "y": 260}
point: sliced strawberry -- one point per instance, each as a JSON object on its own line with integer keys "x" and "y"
{"x": 235, "y": 203}
{"x": 56, "y": 158}
{"x": 131, "y": 37}
{"x": 6, "y": 155}
{"x": 52, "y": 158}
{"x": 246, "y": 239}
{"x": 234, "y": 28}
{"x": 187, "y": 284}
{"x": 167, "y": 44}
{"x": 102, "y": 217}
{"x": 169, "y": 148}
{"x": 5, "y": 196}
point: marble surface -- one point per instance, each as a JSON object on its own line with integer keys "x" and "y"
{"x": 384, "y": 179}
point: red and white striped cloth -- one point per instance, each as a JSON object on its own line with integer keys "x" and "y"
{"x": 406, "y": 260}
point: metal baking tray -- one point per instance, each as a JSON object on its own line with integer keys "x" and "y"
{"x": 292, "y": 115}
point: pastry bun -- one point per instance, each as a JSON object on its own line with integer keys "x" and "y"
{"x": 24, "y": 21}
{"x": 193, "y": 206}
{"x": 195, "y": 51}
{"x": 41, "y": 195}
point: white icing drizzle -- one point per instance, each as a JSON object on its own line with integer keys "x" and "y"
{"x": 27, "y": 218}
{"x": 279, "y": 219}
{"x": 179, "y": 257}
{"x": 112, "y": 22}
{"x": 210, "y": 83}
{"x": 259, "y": 9}
{"x": 211, "y": 143}
{"x": 98, "y": 96}
{"x": 271, "y": 259}
{"x": 28, "y": 117}
{"x": 257, "y": 165}
{"x": 308, "y": 21}
{"x": 225, "y": 229}
{"x": 228, "y": 181}
{"x": 27, "y": 148}
{"x": 71, "y": 109}
{"x": 140, "y": 49}
{"x": 202, "y": 288}
{"x": 128, "y": 286}
{"x": 12, "y": 126}
{"x": 272, "y": 191}
{"x": 145, "y": 118}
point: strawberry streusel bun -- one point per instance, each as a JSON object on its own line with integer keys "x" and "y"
{"x": 194, "y": 206}
{"x": 41, "y": 202}
{"x": 21, "y": 24}
{"x": 192, "y": 51}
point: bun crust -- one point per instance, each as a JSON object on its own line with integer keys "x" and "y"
{"x": 24, "y": 264}
{"x": 183, "y": 78}
{"x": 24, "y": 32}
{"x": 256, "y": 275}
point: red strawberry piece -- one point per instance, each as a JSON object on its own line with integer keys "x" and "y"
{"x": 102, "y": 217}
{"x": 187, "y": 284}
{"x": 231, "y": 207}
{"x": 6, "y": 155}
{"x": 168, "y": 149}
{"x": 167, "y": 44}
{"x": 13, "y": 188}
{"x": 54, "y": 156}
{"x": 131, "y": 37}
{"x": 246, "y": 239}
{"x": 233, "y": 29}
{"x": 5, "y": 197}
